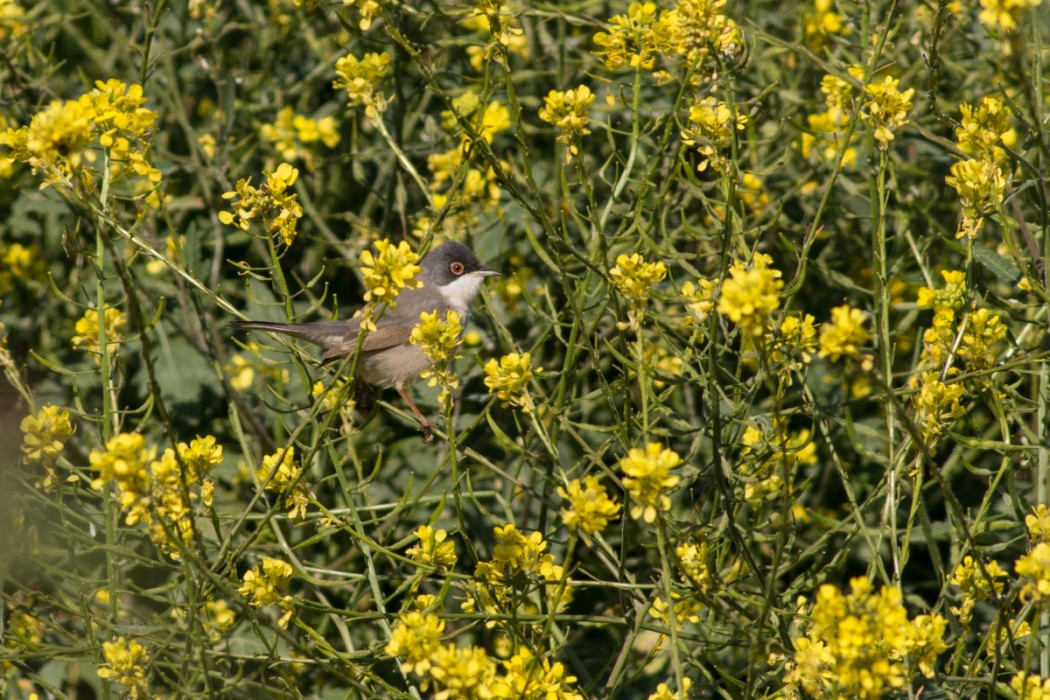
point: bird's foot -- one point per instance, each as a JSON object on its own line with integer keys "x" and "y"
{"x": 428, "y": 430}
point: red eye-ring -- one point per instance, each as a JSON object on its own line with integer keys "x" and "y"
{"x": 457, "y": 268}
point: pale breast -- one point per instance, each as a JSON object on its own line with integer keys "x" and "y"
{"x": 393, "y": 367}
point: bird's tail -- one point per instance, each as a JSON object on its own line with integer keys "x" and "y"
{"x": 327, "y": 334}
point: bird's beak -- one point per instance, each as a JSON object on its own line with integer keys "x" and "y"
{"x": 485, "y": 272}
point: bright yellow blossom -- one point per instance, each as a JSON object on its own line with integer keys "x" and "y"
{"x": 589, "y": 507}
{"x": 509, "y": 379}
{"x": 648, "y": 479}
{"x": 845, "y": 335}
{"x": 634, "y": 277}
{"x": 390, "y": 270}
{"x": 88, "y": 331}
{"x": 274, "y": 203}
{"x": 280, "y": 474}
{"x": 266, "y": 586}
{"x": 567, "y": 110}
{"x": 126, "y": 664}
{"x": 45, "y": 434}
{"x": 751, "y": 294}
{"x": 886, "y": 108}
{"x": 433, "y": 549}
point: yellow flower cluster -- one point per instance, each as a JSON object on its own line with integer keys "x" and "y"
{"x": 692, "y": 30}
{"x": 438, "y": 339}
{"x": 979, "y": 181}
{"x": 664, "y": 692}
{"x": 460, "y": 173}
{"x": 434, "y": 549}
{"x": 518, "y": 564}
{"x": 160, "y": 493}
{"x": 567, "y": 110}
{"x": 362, "y": 78}
{"x": 766, "y": 459}
{"x": 45, "y": 434}
{"x": 630, "y": 40}
{"x": 509, "y": 377}
{"x": 126, "y": 664}
{"x": 266, "y": 586}
{"x": 503, "y": 32}
{"x": 469, "y": 672}
{"x": 700, "y": 301}
{"x": 367, "y": 11}
{"x": 977, "y": 583}
{"x": 1038, "y": 523}
{"x": 22, "y": 264}
{"x": 1005, "y": 14}
{"x": 1030, "y": 687}
{"x": 982, "y": 339}
{"x": 648, "y": 479}
{"x": 861, "y": 644}
{"x": 692, "y": 561}
{"x": 750, "y": 294}
{"x": 56, "y": 141}
{"x": 273, "y": 203}
{"x": 936, "y": 405}
{"x": 886, "y": 108}
{"x": 11, "y": 19}
{"x": 292, "y": 135}
{"x": 634, "y": 278}
{"x": 280, "y": 474}
{"x": 826, "y": 135}
{"x": 87, "y": 330}
{"x": 822, "y": 23}
{"x": 1034, "y": 570}
{"x": 711, "y": 125}
{"x": 390, "y": 270}
{"x": 589, "y": 506}
{"x": 845, "y": 335}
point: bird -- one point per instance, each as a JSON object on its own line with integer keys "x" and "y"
{"x": 451, "y": 277}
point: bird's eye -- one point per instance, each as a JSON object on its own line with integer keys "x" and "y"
{"x": 457, "y": 268}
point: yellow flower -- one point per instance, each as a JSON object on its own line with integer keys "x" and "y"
{"x": 983, "y": 128}
{"x": 634, "y": 277}
{"x": 416, "y": 638}
{"x": 126, "y": 664}
{"x": 87, "y": 329}
{"x": 567, "y": 110}
{"x": 462, "y": 672}
{"x": 693, "y": 29}
{"x": 266, "y": 586}
{"x": 861, "y": 644}
{"x": 952, "y": 296}
{"x": 11, "y": 19}
{"x": 648, "y": 479}
{"x": 844, "y": 335}
{"x": 699, "y": 300}
{"x": 528, "y": 676}
{"x": 937, "y": 405}
{"x": 434, "y": 548}
{"x": 981, "y": 340}
{"x": 274, "y": 203}
{"x": 664, "y": 692}
{"x": 55, "y": 139}
{"x": 1038, "y": 523}
{"x": 390, "y": 270}
{"x": 123, "y": 461}
{"x": 361, "y": 78}
{"x": 1034, "y": 570}
{"x": 1005, "y": 14}
{"x": 692, "y": 558}
{"x": 590, "y": 508}
{"x": 629, "y": 40}
{"x": 218, "y": 618}
{"x": 751, "y": 294}
{"x": 292, "y": 133}
{"x": 45, "y": 434}
{"x": 509, "y": 379}
{"x": 437, "y": 338}
{"x": 711, "y": 125}
{"x": 1030, "y": 687}
{"x": 887, "y": 108}
{"x": 980, "y": 186}
{"x": 284, "y": 477}
{"x": 969, "y": 577}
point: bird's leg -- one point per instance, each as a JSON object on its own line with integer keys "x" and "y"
{"x": 427, "y": 427}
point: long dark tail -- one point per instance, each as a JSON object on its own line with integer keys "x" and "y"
{"x": 327, "y": 334}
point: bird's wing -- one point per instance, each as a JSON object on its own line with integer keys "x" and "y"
{"x": 386, "y": 335}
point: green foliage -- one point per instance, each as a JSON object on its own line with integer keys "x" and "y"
{"x": 759, "y": 407}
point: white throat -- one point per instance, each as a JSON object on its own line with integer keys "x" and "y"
{"x": 459, "y": 293}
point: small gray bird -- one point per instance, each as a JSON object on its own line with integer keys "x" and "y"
{"x": 451, "y": 275}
